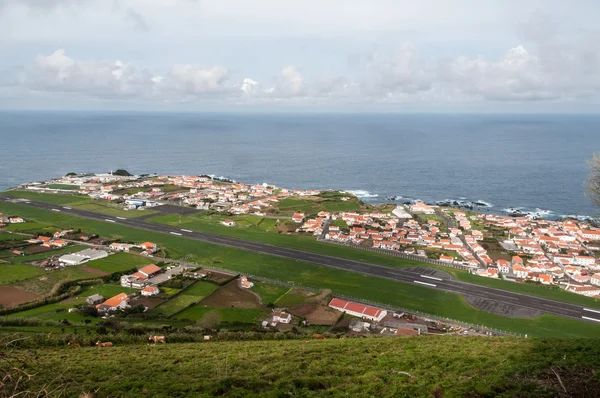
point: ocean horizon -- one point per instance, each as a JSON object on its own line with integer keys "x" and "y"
{"x": 531, "y": 162}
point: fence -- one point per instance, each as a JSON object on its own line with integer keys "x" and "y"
{"x": 364, "y": 301}
{"x": 398, "y": 254}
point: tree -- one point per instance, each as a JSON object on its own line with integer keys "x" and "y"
{"x": 593, "y": 182}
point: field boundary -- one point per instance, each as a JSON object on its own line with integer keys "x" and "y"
{"x": 367, "y": 302}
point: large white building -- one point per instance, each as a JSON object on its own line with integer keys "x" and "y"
{"x": 358, "y": 310}
{"x": 82, "y": 257}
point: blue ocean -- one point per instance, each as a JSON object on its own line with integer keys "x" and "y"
{"x": 529, "y": 162}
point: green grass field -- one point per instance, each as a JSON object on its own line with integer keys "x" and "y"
{"x": 10, "y": 273}
{"x": 113, "y": 210}
{"x": 57, "y": 199}
{"x": 106, "y": 290}
{"x": 31, "y": 227}
{"x": 423, "y": 366}
{"x": 42, "y": 284}
{"x": 62, "y": 186}
{"x": 411, "y": 297}
{"x": 6, "y": 237}
{"x": 119, "y": 262}
{"x": 313, "y": 206}
{"x": 227, "y": 315}
{"x": 290, "y": 300}
{"x": 269, "y": 293}
{"x": 193, "y": 294}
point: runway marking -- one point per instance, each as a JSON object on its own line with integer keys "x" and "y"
{"x": 121, "y": 218}
{"x": 175, "y": 233}
{"x": 591, "y": 319}
{"x": 186, "y": 230}
{"x": 590, "y": 310}
{"x": 68, "y": 208}
{"x": 432, "y": 277}
{"x": 109, "y": 220}
{"x": 55, "y": 210}
{"x": 426, "y": 284}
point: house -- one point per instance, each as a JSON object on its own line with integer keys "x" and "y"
{"x": 446, "y": 259}
{"x": 15, "y": 220}
{"x": 584, "y": 260}
{"x": 228, "y": 223}
{"x": 280, "y": 317}
{"x": 58, "y": 243}
{"x": 118, "y": 302}
{"x": 140, "y": 278}
{"x": 595, "y": 279}
{"x": 94, "y": 299}
{"x": 149, "y": 247}
{"x": 298, "y": 217}
{"x": 245, "y": 283}
{"x": 503, "y": 266}
{"x": 420, "y": 207}
{"x": 150, "y": 291}
{"x": 584, "y": 290}
{"x": 358, "y": 310}
{"x": 116, "y": 246}
{"x": 358, "y": 326}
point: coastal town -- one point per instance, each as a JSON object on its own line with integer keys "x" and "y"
{"x": 559, "y": 253}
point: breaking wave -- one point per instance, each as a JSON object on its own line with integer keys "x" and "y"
{"x": 359, "y": 193}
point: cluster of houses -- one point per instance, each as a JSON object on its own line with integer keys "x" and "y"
{"x": 5, "y": 220}
{"x": 142, "y": 278}
{"x": 147, "y": 248}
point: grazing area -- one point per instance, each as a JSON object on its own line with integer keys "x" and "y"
{"x": 411, "y": 297}
{"x": 232, "y": 295}
{"x": 11, "y": 296}
{"x": 192, "y": 295}
{"x": 10, "y": 273}
{"x": 118, "y": 263}
{"x": 269, "y": 293}
{"x": 414, "y": 366}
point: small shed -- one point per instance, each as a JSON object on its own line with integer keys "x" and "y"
{"x": 94, "y": 299}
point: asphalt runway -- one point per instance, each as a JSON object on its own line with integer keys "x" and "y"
{"x": 495, "y": 297}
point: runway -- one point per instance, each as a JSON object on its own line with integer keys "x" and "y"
{"x": 496, "y": 297}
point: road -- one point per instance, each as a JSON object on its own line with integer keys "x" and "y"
{"x": 423, "y": 276}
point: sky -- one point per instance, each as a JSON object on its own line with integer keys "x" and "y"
{"x": 387, "y": 55}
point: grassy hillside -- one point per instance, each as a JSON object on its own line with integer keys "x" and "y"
{"x": 385, "y": 367}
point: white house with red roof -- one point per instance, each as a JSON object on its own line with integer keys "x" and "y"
{"x": 595, "y": 279}
{"x": 358, "y": 310}
{"x": 280, "y": 317}
{"x": 298, "y": 217}
{"x": 150, "y": 291}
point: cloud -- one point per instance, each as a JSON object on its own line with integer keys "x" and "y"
{"x": 138, "y": 20}
{"x": 250, "y": 87}
{"x": 105, "y": 79}
{"x": 288, "y": 84}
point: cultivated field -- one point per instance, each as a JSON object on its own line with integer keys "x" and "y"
{"x": 232, "y": 295}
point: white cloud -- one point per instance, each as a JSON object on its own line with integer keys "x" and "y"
{"x": 250, "y": 87}
{"x": 288, "y": 84}
{"x": 59, "y": 72}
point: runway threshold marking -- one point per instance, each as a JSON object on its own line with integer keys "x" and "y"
{"x": 121, "y": 218}
{"x": 432, "y": 277}
{"x": 175, "y": 233}
{"x": 55, "y": 210}
{"x": 425, "y": 283}
{"x": 109, "y": 220}
{"x": 186, "y": 230}
{"x": 590, "y": 310}
{"x": 66, "y": 207}
{"x": 591, "y": 319}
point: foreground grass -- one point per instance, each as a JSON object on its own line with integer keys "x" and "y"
{"x": 410, "y": 297}
{"x": 388, "y": 367}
